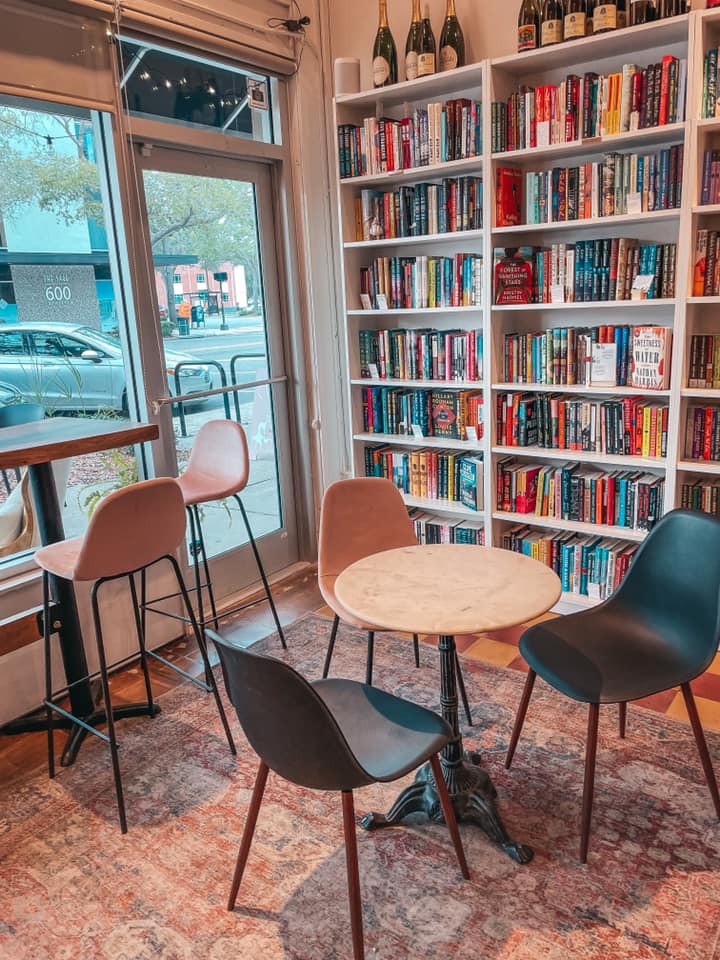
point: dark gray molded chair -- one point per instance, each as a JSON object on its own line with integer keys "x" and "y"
{"x": 329, "y": 735}
{"x": 14, "y": 415}
{"x": 659, "y": 630}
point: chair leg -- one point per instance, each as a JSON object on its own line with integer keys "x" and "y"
{"x": 520, "y": 718}
{"x": 108, "y": 707}
{"x": 622, "y": 719}
{"x": 139, "y": 627}
{"x": 49, "y": 713}
{"x": 701, "y": 745}
{"x": 449, "y": 814}
{"x": 206, "y": 567}
{"x": 331, "y": 646}
{"x": 353, "y": 875}
{"x": 212, "y": 683}
{"x": 370, "y": 655}
{"x": 416, "y": 649}
{"x": 196, "y": 564}
{"x": 589, "y": 784}
{"x": 261, "y": 570}
{"x": 245, "y": 843}
{"x": 463, "y": 692}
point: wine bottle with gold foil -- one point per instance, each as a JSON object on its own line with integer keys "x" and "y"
{"x": 426, "y": 58}
{"x": 574, "y": 23}
{"x": 452, "y": 40}
{"x": 412, "y": 45}
{"x": 385, "y": 69}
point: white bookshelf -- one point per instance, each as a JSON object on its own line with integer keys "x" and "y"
{"x": 492, "y": 80}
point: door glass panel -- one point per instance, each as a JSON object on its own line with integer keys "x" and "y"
{"x": 209, "y": 283}
{"x": 59, "y": 322}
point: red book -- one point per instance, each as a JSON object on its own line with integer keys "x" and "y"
{"x": 664, "y": 89}
{"x": 508, "y": 196}
{"x": 707, "y": 434}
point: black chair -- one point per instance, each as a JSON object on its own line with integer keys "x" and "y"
{"x": 659, "y": 630}
{"x": 14, "y": 415}
{"x": 329, "y": 735}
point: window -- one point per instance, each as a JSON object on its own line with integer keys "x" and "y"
{"x": 76, "y": 348}
{"x": 178, "y": 298}
{"x": 226, "y": 298}
{"x": 177, "y": 278}
{"x": 200, "y": 277}
{"x": 12, "y": 344}
{"x": 46, "y": 345}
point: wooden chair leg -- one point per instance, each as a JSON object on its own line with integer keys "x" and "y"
{"x": 257, "y": 795}
{"x": 449, "y": 814}
{"x": 353, "y": 875}
{"x": 701, "y": 745}
{"x": 520, "y": 718}
{"x": 589, "y": 785}
{"x": 622, "y": 707}
{"x": 370, "y": 654}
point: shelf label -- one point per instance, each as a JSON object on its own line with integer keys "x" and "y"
{"x": 381, "y": 301}
{"x": 557, "y": 293}
{"x": 471, "y": 434}
{"x": 634, "y": 202}
{"x": 417, "y": 431}
{"x": 365, "y": 301}
{"x": 374, "y": 372}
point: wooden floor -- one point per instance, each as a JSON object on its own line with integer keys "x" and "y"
{"x": 296, "y": 597}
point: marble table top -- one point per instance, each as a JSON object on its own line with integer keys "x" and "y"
{"x": 447, "y": 589}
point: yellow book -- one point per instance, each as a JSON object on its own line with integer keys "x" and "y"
{"x": 647, "y": 414}
{"x": 451, "y": 476}
{"x": 414, "y": 473}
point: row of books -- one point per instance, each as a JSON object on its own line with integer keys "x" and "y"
{"x": 432, "y": 529}
{"x": 588, "y": 271}
{"x": 710, "y": 97}
{"x": 610, "y": 355}
{"x": 588, "y": 566}
{"x": 620, "y": 183}
{"x": 710, "y": 183}
{"x": 421, "y": 354}
{"x": 704, "y": 365}
{"x": 569, "y": 491}
{"x": 702, "y": 433}
{"x": 430, "y": 135}
{"x": 581, "y": 108}
{"x": 451, "y": 206}
{"x": 450, "y": 414}
{"x": 446, "y": 475}
{"x": 625, "y": 427}
{"x": 701, "y": 495}
{"x": 397, "y": 283}
{"x": 706, "y": 267}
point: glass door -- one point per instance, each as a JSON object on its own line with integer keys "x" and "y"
{"x": 218, "y": 306}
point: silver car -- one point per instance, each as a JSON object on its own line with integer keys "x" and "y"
{"x": 73, "y": 367}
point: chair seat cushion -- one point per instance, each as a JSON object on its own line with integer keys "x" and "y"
{"x": 200, "y": 487}
{"x": 327, "y": 589}
{"x": 60, "y": 558}
{"x": 388, "y": 736}
{"x": 608, "y": 655}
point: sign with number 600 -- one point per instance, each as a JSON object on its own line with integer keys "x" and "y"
{"x": 58, "y": 294}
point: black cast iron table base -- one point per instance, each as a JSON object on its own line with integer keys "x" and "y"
{"x": 471, "y": 790}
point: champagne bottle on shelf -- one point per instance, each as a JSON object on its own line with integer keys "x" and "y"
{"x": 412, "y": 45}
{"x": 669, "y": 8}
{"x": 551, "y": 22}
{"x": 452, "y": 41}
{"x": 528, "y": 26}
{"x": 426, "y": 58}
{"x": 590, "y": 10}
{"x": 575, "y": 16}
{"x": 622, "y": 14}
{"x": 605, "y": 17}
{"x": 385, "y": 70}
{"x": 641, "y": 11}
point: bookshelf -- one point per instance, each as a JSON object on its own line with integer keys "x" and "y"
{"x": 686, "y": 37}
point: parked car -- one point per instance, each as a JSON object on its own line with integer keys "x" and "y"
{"x": 74, "y": 367}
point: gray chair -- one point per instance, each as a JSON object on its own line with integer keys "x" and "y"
{"x": 329, "y": 735}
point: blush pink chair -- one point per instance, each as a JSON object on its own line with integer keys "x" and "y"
{"x": 131, "y": 529}
{"x": 360, "y": 517}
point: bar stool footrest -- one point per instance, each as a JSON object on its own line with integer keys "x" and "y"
{"x": 183, "y": 673}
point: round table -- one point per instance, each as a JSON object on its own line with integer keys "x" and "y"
{"x": 449, "y": 589}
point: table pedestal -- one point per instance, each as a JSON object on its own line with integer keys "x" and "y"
{"x": 470, "y": 787}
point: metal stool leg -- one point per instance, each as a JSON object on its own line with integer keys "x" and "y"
{"x": 261, "y": 569}
{"x": 331, "y": 646}
{"x": 196, "y": 548}
{"x": 416, "y": 649}
{"x": 140, "y": 628}
{"x": 203, "y": 653}
{"x": 206, "y": 567}
{"x": 108, "y": 707}
{"x": 370, "y": 655}
{"x": 49, "y": 713}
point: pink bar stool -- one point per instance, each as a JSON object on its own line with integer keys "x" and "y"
{"x": 219, "y": 467}
{"x": 131, "y": 530}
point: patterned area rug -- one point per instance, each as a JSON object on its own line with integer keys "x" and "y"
{"x": 73, "y": 888}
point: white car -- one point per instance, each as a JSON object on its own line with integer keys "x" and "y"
{"x": 69, "y": 367}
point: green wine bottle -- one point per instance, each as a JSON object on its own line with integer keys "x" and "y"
{"x": 426, "y": 59}
{"x": 412, "y": 45}
{"x": 452, "y": 41}
{"x": 385, "y": 68}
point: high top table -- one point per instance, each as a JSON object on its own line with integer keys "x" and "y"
{"x": 449, "y": 589}
{"x": 35, "y": 446}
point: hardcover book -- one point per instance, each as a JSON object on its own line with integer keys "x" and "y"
{"x": 513, "y": 274}
{"x": 508, "y": 196}
{"x": 651, "y": 358}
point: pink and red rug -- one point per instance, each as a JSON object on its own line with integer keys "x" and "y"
{"x": 73, "y": 888}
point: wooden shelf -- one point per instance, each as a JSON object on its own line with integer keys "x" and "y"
{"x": 419, "y": 384}
{"x": 700, "y": 466}
{"x": 444, "y": 506}
{"x": 402, "y": 440}
{"x": 577, "y": 600}
{"x": 460, "y": 236}
{"x": 414, "y": 174}
{"x": 654, "y": 216}
{"x": 551, "y": 523}
{"x": 412, "y": 91}
{"x": 700, "y": 393}
{"x": 708, "y": 124}
{"x": 705, "y": 301}
{"x": 586, "y": 305}
{"x": 581, "y": 456}
{"x": 635, "y": 138}
{"x": 706, "y": 208}
{"x": 578, "y": 388}
{"x": 412, "y": 312}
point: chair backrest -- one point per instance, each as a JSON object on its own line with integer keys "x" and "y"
{"x": 673, "y": 584}
{"x": 132, "y": 528}
{"x": 358, "y": 518}
{"x": 286, "y": 722}
{"x": 220, "y": 448}
{"x": 15, "y": 414}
